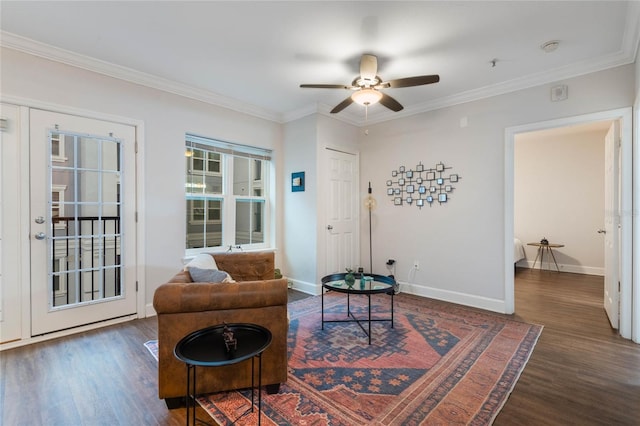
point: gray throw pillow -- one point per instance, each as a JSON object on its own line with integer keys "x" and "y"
{"x": 199, "y": 275}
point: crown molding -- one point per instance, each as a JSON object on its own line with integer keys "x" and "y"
{"x": 32, "y": 47}
{"x": 299, "y": 113}
{"x": 626, "y": 55}
{"x": 631, "y": 37}
{"x": 570, "y": 71}
{"x": 348, "y": 117}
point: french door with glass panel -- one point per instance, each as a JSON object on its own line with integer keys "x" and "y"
{"x": 82, "y": 237}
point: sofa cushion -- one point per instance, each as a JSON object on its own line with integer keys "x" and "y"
{"x": 202, "y": 261}
{"x": 199, "y": 275}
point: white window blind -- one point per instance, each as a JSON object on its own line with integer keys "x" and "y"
{"x": 221, "y": 147}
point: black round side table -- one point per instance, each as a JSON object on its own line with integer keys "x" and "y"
{"x": 206, "y": 348}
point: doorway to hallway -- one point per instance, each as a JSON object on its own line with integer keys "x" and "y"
{"x": 625, "y": 259}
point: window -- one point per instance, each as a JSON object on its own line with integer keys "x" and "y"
{"x": 227, "y": 193}
{"x": 57, "y": 205}
{"x": 59, "y": 278}
{"x": 58, "y": 143}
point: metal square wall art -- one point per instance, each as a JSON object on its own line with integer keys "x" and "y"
{"x": 413, "y": 185}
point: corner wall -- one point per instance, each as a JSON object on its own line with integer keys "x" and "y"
{"x": 304, "y": 216}
{"x": 300, "y": 212}
{"x": 459, "y": 244}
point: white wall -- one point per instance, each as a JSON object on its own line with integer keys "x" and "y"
{"x": 637, "y": 74}
{"x": 459, "y": 245}
{"x": 304, "y": 216}
{"x": 166, "y": 119}
{"x": 559, "y": 194}
{"x": 300, "y": 208}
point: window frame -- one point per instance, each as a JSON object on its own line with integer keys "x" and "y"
{"x": 228, "y": 151}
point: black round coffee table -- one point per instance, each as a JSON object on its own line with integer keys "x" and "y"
{"x": 206, "y": 348}
{"x": 373, "y": 284}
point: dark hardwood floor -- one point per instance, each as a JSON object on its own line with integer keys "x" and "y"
{"x": 580, "y": 372}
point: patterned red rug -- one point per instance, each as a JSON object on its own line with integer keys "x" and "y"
{"x": 440, "y": 364}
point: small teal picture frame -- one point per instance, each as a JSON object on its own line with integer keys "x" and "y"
{"x": 297, "y": 182}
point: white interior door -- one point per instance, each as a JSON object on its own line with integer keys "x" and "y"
{"x": 611, "y": 224}
{"x": 342, "y": 212}
{"x": 10, "y": 190}
{"x": 82, "y": 221}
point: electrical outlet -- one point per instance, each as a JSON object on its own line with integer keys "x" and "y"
{"x": 416, "y": 265}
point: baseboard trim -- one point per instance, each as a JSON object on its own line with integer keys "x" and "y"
{"x": 149, "y": 311}
{"x": 305, "y": 287}
{"x": 465, "y": 299}
{"x": 68, "y": 332}
{"x": 575, "y": 269}
{"x": 480, "y": 302}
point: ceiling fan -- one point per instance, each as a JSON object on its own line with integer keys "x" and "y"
{"x": 367, "y": 86}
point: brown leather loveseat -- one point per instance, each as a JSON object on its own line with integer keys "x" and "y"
{"x": 183, "y": 306}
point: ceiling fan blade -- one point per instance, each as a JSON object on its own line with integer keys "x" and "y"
{"x": 412, "y": 81}
{"x": 324, "y": 86}
{"x": 368, "y": 67}
{"x": 342, "y": 105}
{"x": 390, "y": 103}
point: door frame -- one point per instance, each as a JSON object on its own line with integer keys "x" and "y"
{"x": 12, "y": 187}
{"x": 24, "y": 222}
{"x": 626, "y": 198}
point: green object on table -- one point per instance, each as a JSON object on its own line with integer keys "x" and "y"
{"x": 349, "y": 278}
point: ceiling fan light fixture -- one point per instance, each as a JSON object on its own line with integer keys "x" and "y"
{"x": 366, "y": 97}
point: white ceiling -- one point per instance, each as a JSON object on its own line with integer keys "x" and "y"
{"x": 252, "y": 56}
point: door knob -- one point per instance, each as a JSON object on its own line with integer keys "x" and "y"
{"x": 40, "y": 236}
{"x": 601, "y": 231}
{"x": 329, "y": 227}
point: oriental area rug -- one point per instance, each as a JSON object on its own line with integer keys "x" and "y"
{"x": 440, "y": 364}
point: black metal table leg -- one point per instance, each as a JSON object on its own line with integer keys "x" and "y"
{"x": 369, "y": 297}
{"x": 392, "y": 309}
{"x": 190, "y": 401}
{"x": 322, "y": 309}
{"x": 187, "y": 396}
{"x": 253, "y": 374}
{"x": 259, "y": 387}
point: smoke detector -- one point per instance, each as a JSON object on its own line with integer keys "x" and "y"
{"x": 550, "y": 46}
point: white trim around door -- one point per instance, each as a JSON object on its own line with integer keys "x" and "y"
{"x": 24, "y": 104}
{"x": 627, "y": 286}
